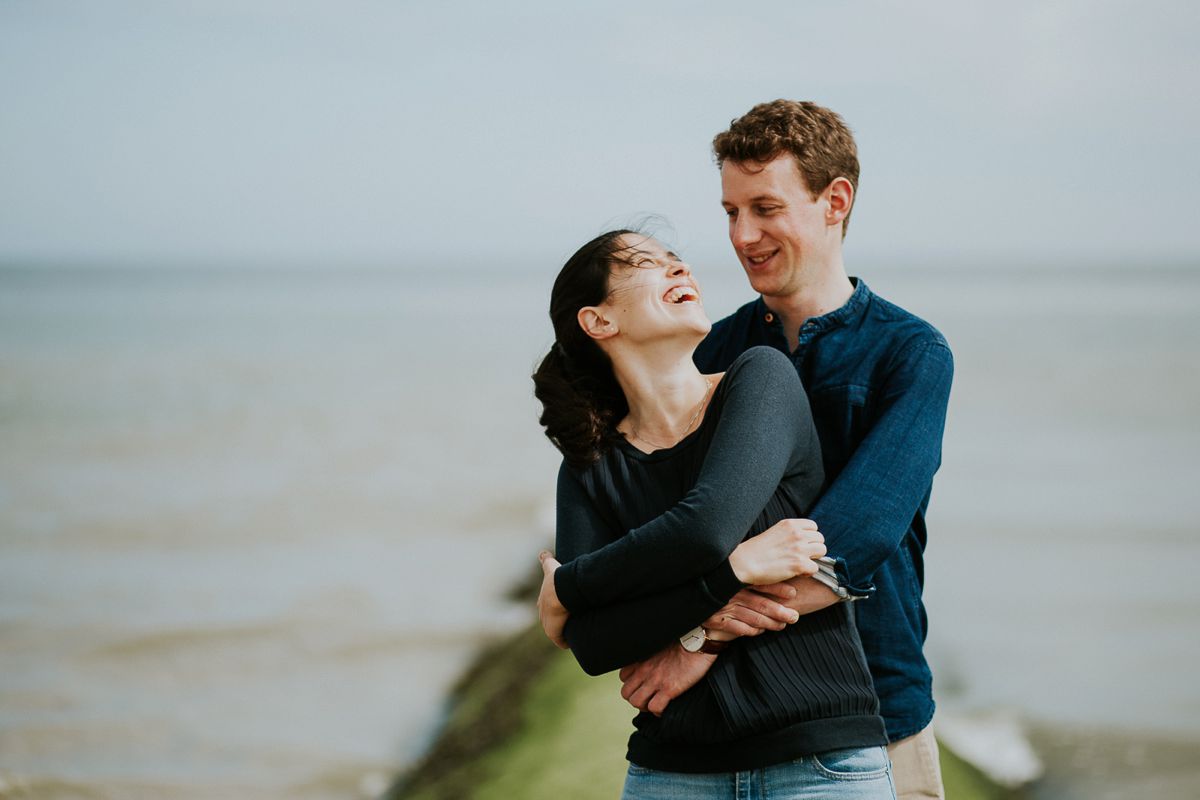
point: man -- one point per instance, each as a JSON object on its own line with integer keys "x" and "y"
{"x": 878, "y": 381}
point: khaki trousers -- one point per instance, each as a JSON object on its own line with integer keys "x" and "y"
{"x": 915, "y": 767}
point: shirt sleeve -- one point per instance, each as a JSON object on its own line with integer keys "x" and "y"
{"x": 865, "y": 513}
{"x": 764, "y": 427}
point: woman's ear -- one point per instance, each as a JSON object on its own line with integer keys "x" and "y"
{"x": 595, "y": 324}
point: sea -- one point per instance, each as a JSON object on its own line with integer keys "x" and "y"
{"x": 255, "y": 523}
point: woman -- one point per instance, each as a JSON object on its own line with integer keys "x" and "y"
{"x": 665, "y": 471}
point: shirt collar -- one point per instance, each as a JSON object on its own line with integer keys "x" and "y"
{"x": 851, "y": 309}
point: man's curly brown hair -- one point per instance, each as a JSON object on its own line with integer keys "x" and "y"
{"x": 819, "y": 139}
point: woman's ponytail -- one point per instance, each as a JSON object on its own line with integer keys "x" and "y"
{"x": 581, "y": 399}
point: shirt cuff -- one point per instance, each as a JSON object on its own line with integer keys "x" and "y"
{"x": 834, "y": 573}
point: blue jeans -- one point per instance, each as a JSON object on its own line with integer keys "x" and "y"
{"x": 854, "y": 774}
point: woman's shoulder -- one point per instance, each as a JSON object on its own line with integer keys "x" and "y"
{"x": 759, "y": 372}
{"x": 760, "y": 360}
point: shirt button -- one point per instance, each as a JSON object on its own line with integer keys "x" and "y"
{"x": 769, "y": 317}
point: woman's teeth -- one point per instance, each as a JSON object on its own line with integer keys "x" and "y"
{"x": 680, "y": 294}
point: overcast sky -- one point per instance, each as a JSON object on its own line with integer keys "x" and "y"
{"x": 417, "y": 135}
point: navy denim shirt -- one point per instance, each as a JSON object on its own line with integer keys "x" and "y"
{"x": 878, "y": 380}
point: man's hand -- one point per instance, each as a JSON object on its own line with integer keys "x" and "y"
{"x": 768, "y": 608}
{"x": 651, "y": 684}
{"x": 552, "y": 613}
{"x": 811, "y": 595}
{"x": 752, "y": 611}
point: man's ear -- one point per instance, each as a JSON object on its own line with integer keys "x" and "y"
{"x": 595, "y": 324}
{"x": 841, "y": 198}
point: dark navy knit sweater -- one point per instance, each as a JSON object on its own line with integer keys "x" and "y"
{"x": 645, "y": 541}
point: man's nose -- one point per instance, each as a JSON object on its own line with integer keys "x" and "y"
{"x": 742, "y": 232}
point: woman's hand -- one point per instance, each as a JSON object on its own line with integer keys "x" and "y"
{"x": 783, "y": 551}
{"x": 552, "y": 613}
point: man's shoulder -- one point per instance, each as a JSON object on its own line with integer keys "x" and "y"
{"x": 898, "y": 327}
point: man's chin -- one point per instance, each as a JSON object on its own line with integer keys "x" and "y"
{"x": 761, "y": 284}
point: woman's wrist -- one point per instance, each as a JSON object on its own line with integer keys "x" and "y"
{"x": 741, "y": 569}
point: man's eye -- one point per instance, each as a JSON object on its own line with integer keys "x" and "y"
{"x": 731, "y": 213}
{"x": 767, "y": 209}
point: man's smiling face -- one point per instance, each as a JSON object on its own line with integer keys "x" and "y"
{"x": 776, "y": 226}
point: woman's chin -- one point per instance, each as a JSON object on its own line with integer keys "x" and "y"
{"x": 696, "y": 318}
{"x": 698, "y": 331}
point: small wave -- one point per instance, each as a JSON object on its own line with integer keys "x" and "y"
{"x": 20, "y": 787}
{"x": 313, "y": 636}
{"x": 176, "y": 641}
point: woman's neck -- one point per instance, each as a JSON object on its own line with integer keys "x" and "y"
{"x": 666, "y": 395}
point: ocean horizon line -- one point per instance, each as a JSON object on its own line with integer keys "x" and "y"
{"x": 932, "y": 266}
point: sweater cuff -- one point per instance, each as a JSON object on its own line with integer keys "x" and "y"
{"x": 566, "y": 586}
{"x": 720, "y": 584}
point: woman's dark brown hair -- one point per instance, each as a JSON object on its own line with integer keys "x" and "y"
{"x": 581, "y": 400}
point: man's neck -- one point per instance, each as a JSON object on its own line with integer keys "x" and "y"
{"x": 815, "y": 299}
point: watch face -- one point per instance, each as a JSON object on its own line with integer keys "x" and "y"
{"x": 693, "y": 640}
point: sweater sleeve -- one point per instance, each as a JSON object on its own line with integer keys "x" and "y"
{"x": 764, "y": 425}
{"x": 609, "y": 637}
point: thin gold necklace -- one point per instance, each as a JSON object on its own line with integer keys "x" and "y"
{"x": 703, "y": 400}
